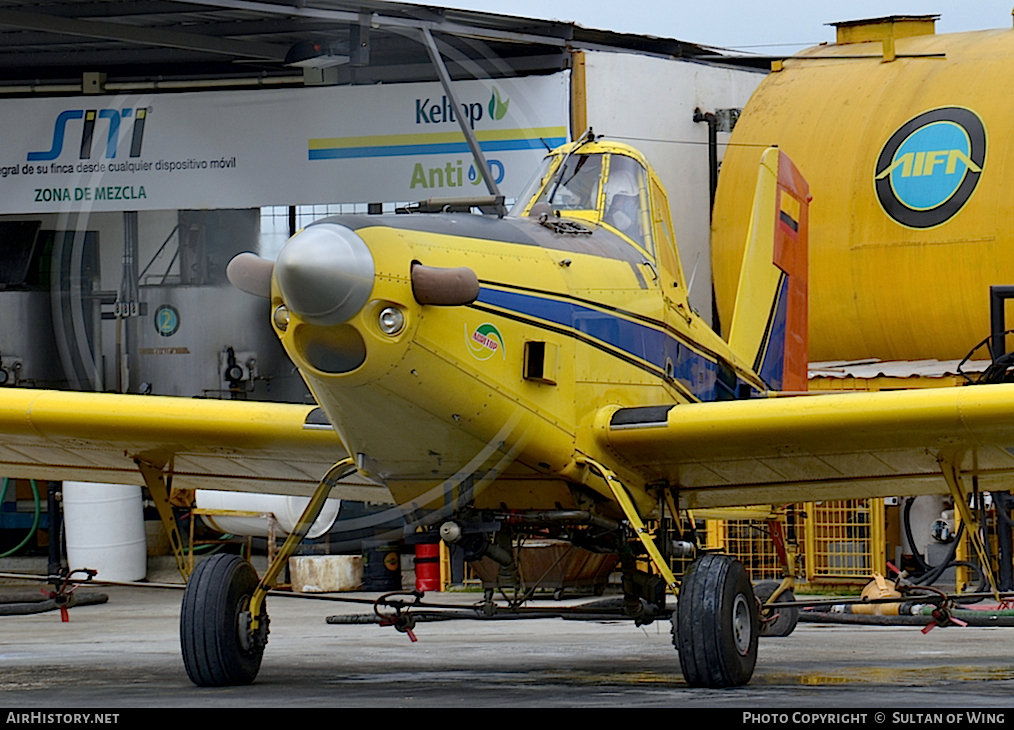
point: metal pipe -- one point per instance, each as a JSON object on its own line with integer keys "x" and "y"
{"x": 53, "y": 516}
{"x": 1002, "y": 502}
{"x": 997, "y": 318}
{"x": 203, "y": 83}
{"x": 473, "y": 143}
{"x": 569, "y": 516}
{"x": 712, "y": 121}
{"x": 156, "y": 85}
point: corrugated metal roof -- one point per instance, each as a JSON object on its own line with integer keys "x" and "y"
{"x": 49, "y": 42}
{"x": 867, "y": 369}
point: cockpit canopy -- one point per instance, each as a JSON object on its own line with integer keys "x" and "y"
{"x": 602, "y": 184}
{"x": 599, "y": 184}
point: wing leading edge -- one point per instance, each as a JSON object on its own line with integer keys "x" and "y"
{"x": 209, "y": 444}
{"x": 843, "y": 446}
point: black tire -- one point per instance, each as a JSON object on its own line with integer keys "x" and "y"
{"x": 715, "y": 626}
{"x": 216, "y": 651}
{"x": 787, "y": 619}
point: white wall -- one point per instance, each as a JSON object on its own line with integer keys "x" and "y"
{"x": 649, "y": 102}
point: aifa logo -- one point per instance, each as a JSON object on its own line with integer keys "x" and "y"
{"x": 485, "y": 341}
{"x": 929, "y": 168}
{"x": 89, "y": 117}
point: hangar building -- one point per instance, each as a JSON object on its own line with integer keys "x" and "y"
{"x": 149, "y": 142}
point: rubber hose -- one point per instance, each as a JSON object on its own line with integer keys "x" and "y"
{"x": 43, "y": 604}
{"x": 934, "y": 574}
{"x": 983, "y": 582}
{"x": 972, "y": 618}
{"x": 926, "y": 567}
{"x": 826, "y": 617}
{"x": 35, "y": 523}
{"x": 964, "y": 613}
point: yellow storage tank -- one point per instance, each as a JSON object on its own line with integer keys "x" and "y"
{"x": 905, "y": 138}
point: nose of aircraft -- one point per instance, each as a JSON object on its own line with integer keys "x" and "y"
{"x": 325, "y": 273}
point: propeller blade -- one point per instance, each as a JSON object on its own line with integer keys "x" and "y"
{"x": 250, "y": 273}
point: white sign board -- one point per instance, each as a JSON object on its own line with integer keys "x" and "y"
{"x": 243, "y": 149}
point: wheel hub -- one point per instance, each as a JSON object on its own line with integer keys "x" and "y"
{"x": 742, "y": 626}
{"x": 243, "y": 631}
{"x": 249, "y": 638}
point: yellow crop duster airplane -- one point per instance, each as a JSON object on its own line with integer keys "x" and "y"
{"x": 539, "y": 369}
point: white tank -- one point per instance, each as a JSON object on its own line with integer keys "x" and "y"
{"x": 105, "y": 530}
{"x": 286, "y": 510}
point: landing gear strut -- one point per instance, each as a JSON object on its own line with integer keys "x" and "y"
{"x": 715, "y": 627}
{"x": 716, "y": 624}
{"x": 224, "y": 620}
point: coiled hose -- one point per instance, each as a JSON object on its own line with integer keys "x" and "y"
{"x": 931, "y": 574}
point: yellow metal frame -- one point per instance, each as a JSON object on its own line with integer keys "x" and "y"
{"x": 965, "y": 552}
{"x": 718, "y": 537}
{"x": 872, "y": 560}
{"x": 337, "y": 472}
{"x": 578, "y": 94}
{"x": 269, "y": 517}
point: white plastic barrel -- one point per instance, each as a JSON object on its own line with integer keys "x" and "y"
{"x": 286, "y": 510}
{"x": 105, "y": 530}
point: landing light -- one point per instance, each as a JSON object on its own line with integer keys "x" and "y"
{"x": 391, "y": 321}
{"x": 281, "y": 317}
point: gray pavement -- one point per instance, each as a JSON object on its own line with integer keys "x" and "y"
{"x": 125, "y": 653}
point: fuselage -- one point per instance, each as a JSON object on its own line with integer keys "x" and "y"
{"x": 494, "y": 401}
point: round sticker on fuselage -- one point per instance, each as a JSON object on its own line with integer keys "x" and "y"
{"x": 929, "y": 168}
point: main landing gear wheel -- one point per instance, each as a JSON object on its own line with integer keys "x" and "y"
{"x": 787, "y": 618}
{"x": 218, "y": 647}
{"x": 715, "y": 626}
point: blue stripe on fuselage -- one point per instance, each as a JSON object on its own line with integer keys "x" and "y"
{"x": 694, "y": 371}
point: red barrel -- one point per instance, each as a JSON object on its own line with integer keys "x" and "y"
{"x": 427, "y": 566}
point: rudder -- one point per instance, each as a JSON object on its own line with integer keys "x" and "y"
{"x": 769, "y": 330}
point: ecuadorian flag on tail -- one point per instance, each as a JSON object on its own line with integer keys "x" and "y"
{"x": 770, "y": 324}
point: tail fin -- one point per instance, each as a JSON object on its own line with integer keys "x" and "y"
{"x": 769, "y": 322}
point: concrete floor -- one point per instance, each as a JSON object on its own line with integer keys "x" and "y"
{"x": 125, "y": 653}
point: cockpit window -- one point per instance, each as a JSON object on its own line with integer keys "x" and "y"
{"x": 626, "y": 207}
{"x": 575, "y": 185}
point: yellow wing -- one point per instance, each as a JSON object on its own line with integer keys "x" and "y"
{"x": 843, "y": 446}
{"x": 211, "y": 444}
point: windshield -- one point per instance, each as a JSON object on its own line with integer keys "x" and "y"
{"x": 533, "y": 186}
{"x": 608, "y": 189}
{"x": 575, "y": 186}
{"x": 588, "y": 191}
